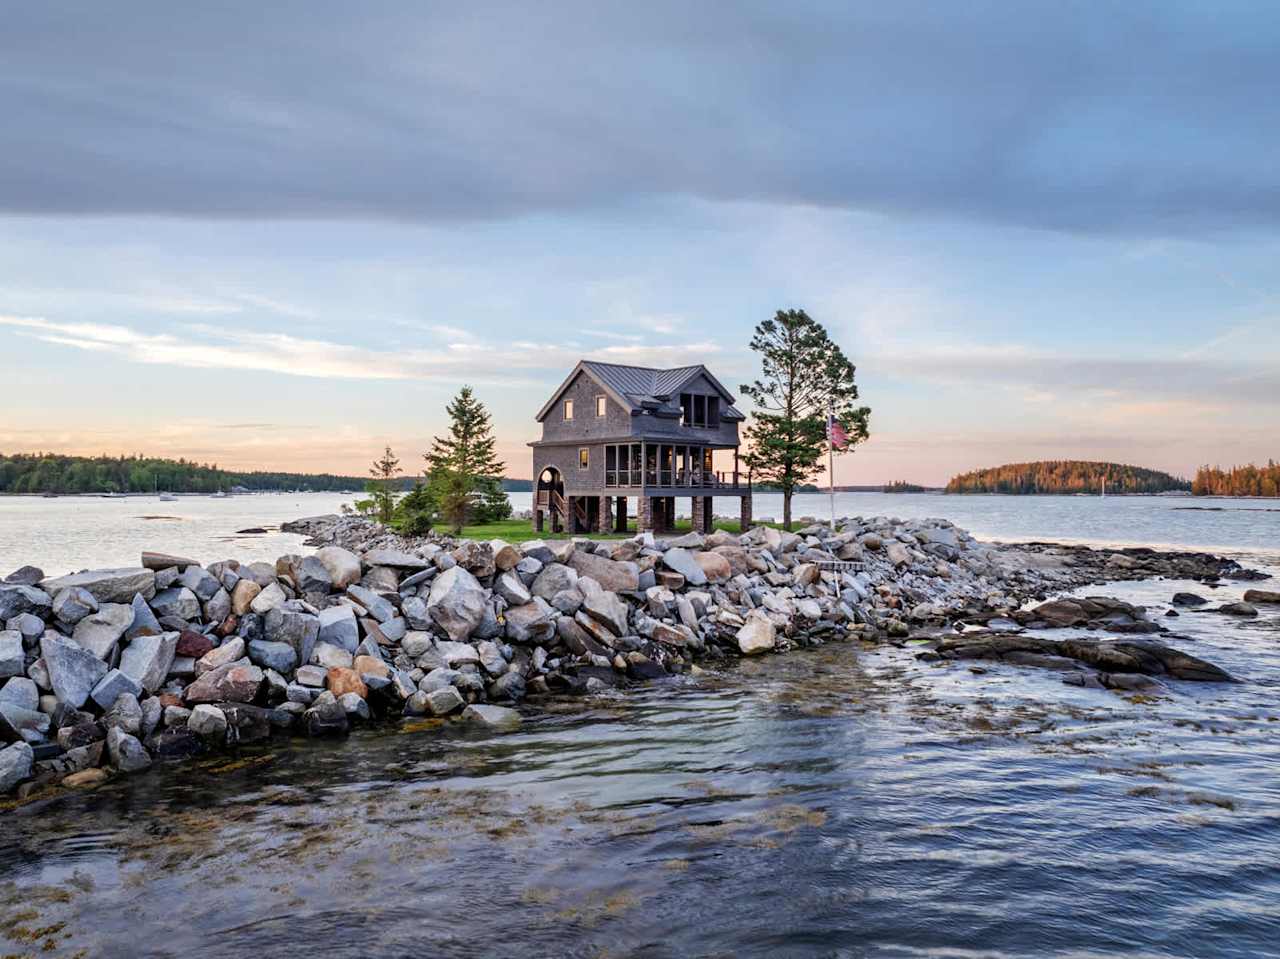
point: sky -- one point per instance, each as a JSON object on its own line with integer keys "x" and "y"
{"x": 282, "y": 236}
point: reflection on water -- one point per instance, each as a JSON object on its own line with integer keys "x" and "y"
{"x": 846, "y": 801}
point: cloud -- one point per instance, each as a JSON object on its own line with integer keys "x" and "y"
{"x": 1150, "y": 118}
{"x": 206, "y": 347}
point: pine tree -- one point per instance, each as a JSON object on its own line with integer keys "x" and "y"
{"x": 804, "y": 375}
{"x": 463, "y": 468}
{"x": 384, "y": 471}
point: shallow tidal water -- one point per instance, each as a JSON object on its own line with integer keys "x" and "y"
{"x": 846, "y": 801}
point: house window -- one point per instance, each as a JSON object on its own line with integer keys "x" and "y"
{"x": 700, "y": 410}
{"x": 568, "y": 409}
{"x": 584, "y": 458}
{"x": 601, "y": 405}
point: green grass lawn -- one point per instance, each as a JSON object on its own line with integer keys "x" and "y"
{"x": 519, "y": 530}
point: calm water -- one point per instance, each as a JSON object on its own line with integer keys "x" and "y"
{"x": 838, "y": 802}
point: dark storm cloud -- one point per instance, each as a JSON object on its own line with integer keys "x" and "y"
{"x": 1097, "y": 117}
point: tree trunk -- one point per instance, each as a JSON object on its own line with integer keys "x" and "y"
{"x": 786, "y": 510}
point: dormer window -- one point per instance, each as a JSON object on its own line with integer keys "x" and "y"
{"x": 602, "y": 405}
{"x": 699, "y": 410}
{"x": 568, "y": 409}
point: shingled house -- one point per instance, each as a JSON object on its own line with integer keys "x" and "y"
{"x": 614, "y": 432}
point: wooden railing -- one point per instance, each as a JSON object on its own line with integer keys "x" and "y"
{"x": 665, "y": 478}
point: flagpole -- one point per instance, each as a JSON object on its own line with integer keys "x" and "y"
{"x": 831, "y": 463}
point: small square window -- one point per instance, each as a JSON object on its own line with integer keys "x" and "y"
{"x": 584, "y": 458}
{"x": 568, "y": 409}
{"x": 601, "y": 405}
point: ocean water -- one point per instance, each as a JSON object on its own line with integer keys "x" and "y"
{"x": 847, "y": 801}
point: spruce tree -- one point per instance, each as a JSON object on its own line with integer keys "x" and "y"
{"x": 463, "y": 469}
{"x": 384, "y": 471}
{"x": 804, "y": 374}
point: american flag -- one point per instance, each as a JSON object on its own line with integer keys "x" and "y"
{"x": 836, "y": 435}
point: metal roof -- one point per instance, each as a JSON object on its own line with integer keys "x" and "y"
{"x": 645, "y": 388}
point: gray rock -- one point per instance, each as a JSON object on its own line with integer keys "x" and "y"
{"x": 178, "y": 602}
{"x": 299, "y": 630}
{"x": 1237, "y": 609}
{"x": 21, "y": 691}
{"x": 127, "y": 754}
{"x": 328, "y": 656}
{"x": 415, "y": 612}
{"x": 510, "y": 587}
{"x": 152, "y": 712}
{"x": 342, "y": 565}
{"x": 442, "y": 701}
{"x": 757, "y": 635}
{"x": 230, "y": 651}
{"x": 310, "y": 676}
{"x": 271, "y": 597}
{"x": 208, "y": 722}
{"x": 682, "y": 561}
{"x": 73, "y": 604}
{"x": 113, "y": 685}
{"x": 148, "y": 659}
{"x": 620, "y": 577}
{"x": 326, "y": 717}
{"x": 496, "y": 718}
{"x": 125, "y": 713}
{"x": 553, "y": 579}
{"x": 107, "y": 585}
{"x": 509, "y": 687}
{"x": 311, "y": 575}
{"x": 15, "y": 765}
{"x": 73, "y": 670}
{"x": 491, "y": 658}
{"x": 607, "y": 608}
{"x": 378, "y": 607}
{"x": 394, "y": 557}
{"x": 298, "y": 693}
{"x": 12, "y": 656}
{"x": 393, "y": 630}
{"x": 144, "y": 620}
{"x": 25, "y": 576}
{"x": 200, "y": 581}
{"x": 31, "y": 627}
{"x": 338, "y": 627}
{"x": 176, "y": 715}
{"x": 218, "y": 608}
{"x": 531, "y": 622}
{"x": 15, "y": 600}
{"x": 354, "y": 706}
{"x": 281, "y": 657}
{"x": 160, "y": 561}
{"x": 100, "y": 632}
{"x": 415, "y": 644}
{"x": 457, "y": 602}
{"x": 18, "y": 723}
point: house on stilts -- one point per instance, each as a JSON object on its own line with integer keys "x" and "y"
{"x": 612, "y": 434}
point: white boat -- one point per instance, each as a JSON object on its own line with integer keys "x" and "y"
{"x": 168, "y": 498}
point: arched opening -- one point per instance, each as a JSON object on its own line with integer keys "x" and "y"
{"x": 550, "y": 497}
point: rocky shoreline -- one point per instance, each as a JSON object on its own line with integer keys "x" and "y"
{"x": 108, "y": 671}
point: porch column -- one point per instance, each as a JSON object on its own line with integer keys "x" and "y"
{"x": 571, "y": 514}
{"x": 620, "y": 516}
{"x": 537, "y": 520}
{"x": 644, "y": 514}
{"x": 745, "y": 523}
{"x": 668, "y": 513}
{"x": 604, "y": 515}
{"x": 699, "y": 514}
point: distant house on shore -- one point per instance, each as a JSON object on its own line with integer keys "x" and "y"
{"x": 611, "y": 433}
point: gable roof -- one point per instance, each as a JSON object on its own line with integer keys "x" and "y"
{"x": 643, "y": 388}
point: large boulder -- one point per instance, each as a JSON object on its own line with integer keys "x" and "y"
{"x": 342, "y": 564}
{"x": 511, "y": 588}
{"x": 144, "y": 619}
{"x": 99, "y": 632}
{"x": 757, "y": 635}
{"x": 107, "y": 585}
{"x": 552, "y": 579}
{"x": 531, "y": 622}
{"x": 242, "y": 596}
{"x": 208, "y": 722}
{"x": 201, "y": 582}
{"x": 159, "y": 561}
{"x": 114, "y": 685}
{"x": 682, "y": 561}
{"x": 611, "y": 574}
{"x": 228, "y": 652}
{"x": 127, "y": 754}
{"x": 457, "y": 602}
{"x": 297, "y": 629}
{"x": 281, "y": 657}
{"x": 394, "y": 557}
{"x": 147, "y": 659}
{"x": 18, "y": 599}
{"x": 714, "y": 567}
{"x": 73, "y": 670}
{"x": 1261, "y": 596}
{"x": 380, "y": 608}
{"x": 496, "y": 718}
{"x": 310, "y": 575}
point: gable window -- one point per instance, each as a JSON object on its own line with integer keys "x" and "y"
{"x": 568, "y": 409}
{"x": 584, "y": 458}
{"x": 601, "y": 405}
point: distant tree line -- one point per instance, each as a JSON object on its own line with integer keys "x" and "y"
{"x": 60, "y": 473}
{"x": 1238, "y": 480}
{"x": 1065, "y": 476}
{"x": 902, "y": 486}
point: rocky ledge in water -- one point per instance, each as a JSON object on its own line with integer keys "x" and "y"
{"x": 113, "y": 669}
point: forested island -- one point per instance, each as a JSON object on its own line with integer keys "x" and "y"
{"x": 1238, "y": 480}
{"x": 1066, "y": 476}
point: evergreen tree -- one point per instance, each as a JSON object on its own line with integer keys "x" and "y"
{"x": 382, "y": 486}
{"x": 464, "y": 474}
{"x": 805, "y": 374}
